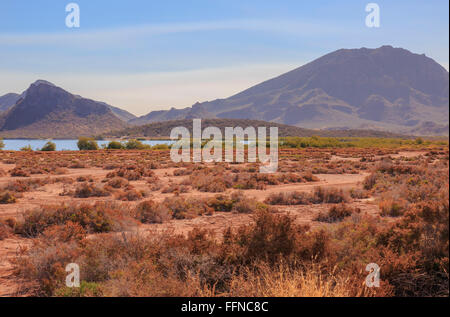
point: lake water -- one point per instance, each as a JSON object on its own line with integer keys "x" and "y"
{"x": 62, "y": 145}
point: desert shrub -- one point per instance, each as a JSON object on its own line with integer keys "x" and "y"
{"x": 21, "y": 186}
{"x": 160, "y": 147}
{"x": 370, "y": 181}
{"x": 318, "y": 196}
{"x": 44, "y": 264}
{"x": 27, "y": 148}
{"x": 309, "y": 177}
{"x": 69, "y": 231}
{"x": 222, "y": 203}
{"x": 247, "y": 206}
{"x": 175, "y": 188}
{"x": 337, "y": 213}
{"x": 150, "y": 212}
{"x": 205, "y": 182}
{"x": 49, "y": 146}
{"x": 271, "y": 237}
{"x": 182, "y": 172}
{"x": 115, "y": 145}
{"x": 357, "y": 193}
{"x": 289, "y": 198}
{"x": 84, "y": 178}
{"x": 130, "y": 194}
{"x": 86, "y": 190}
{"x": 136, "y": 145}
{"x": 87, "y": 144}
{"x": 391, "y": 207}
{"x": 77, "y": 164}
{"x": 421, "y": 234}
{"x": 117, "y": 182}
{"x": 182, "y": 208}
{"x": 131, "y": 172}
{"x": 19, "y": 172}
{"x": 100, "y": 217}
{"x": 329, "y": 195}
{"x": 7, "y": 197}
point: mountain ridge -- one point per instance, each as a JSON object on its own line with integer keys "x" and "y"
{"x": 384, "y": 88}
{"x": 45, "y": 110}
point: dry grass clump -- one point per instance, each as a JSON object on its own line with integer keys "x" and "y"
{"x": 84, "y": 178}
{"x": 99, "y": 217}
{"x": 131, "y": 172}
{"x": 86, "y": 190}
{"x": 117, "y": 182}
{"x": 318, "y": 196}
{"x": 182, "y": 208}
{"x": 8, "y": 197}
{"x": 283, "y": 281}
{"x": 130, "y": 194}
{"x": 391, "y": 207}
{"x": 175, "y": 188}
{"x": 150, "y": 212}
{"x": 337, "y": 213}
{"x": 19, "y": 172}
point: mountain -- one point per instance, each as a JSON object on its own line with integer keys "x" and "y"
{"x": 163, "y": 129}
{"x": 8, "y": 100}
{"x": 384, "y": 88}
{"x": 45, "y": 110}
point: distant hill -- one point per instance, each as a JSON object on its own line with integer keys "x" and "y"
{"x": 430, "y": 128}
{"x": 45, "y": 110}
{"x": 385, "y": 88}
{"x": 163, "y": 129}
{"x": 8, "y": 100}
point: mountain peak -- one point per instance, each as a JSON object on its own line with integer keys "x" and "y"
{"x": 47, "y": 110}
{"x": 42, "y": 82}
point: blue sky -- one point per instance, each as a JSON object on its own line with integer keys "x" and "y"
{"x": 148, "y": 55}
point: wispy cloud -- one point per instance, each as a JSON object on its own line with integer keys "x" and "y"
{"x": 115, "y": 36}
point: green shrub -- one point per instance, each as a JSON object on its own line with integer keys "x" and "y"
{"x": 161, "y": 147}
{"x": 114, "y": 145}
{"x": 49, "y": 146}
{"x": 136, "y": 145}
{"x": 26, "y": 148}
{"x": 87, "y": 144}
